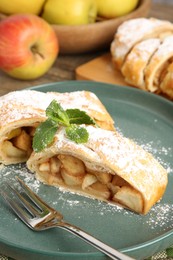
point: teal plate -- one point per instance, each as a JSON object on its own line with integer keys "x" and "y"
{"x": 142, "y": 116}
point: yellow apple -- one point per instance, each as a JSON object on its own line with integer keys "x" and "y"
{"x": 114, "y": 8}
{"x": 70, "y": 12}
{"x": 21, "y": 6}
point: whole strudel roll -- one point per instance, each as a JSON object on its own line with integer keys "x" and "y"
{"x": 107, "y": 167}
{"x": 22, "y": 111}
{"x": 142, "y": 50}
{"x": 132, "y": 32}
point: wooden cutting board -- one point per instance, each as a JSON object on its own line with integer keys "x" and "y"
{"x": 100, "y": 69}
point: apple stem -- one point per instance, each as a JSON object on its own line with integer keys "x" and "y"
{"x": 34, "y": 49}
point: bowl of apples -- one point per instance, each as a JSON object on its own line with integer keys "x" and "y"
{"x": 82, "y": 26}
{"x": 97, "y": 34}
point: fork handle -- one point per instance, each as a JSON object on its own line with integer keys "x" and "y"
{"x": 107, "y": 250}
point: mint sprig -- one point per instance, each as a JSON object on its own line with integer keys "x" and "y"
{"x": 71, "y": 119}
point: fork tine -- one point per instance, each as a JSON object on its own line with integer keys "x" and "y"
{"x": 21, "y": 213}
{"x": 33, "y": 196}
{"x": 24, "y": 202}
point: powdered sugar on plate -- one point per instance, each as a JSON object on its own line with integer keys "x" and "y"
{"x": 9, "y": 173}
{"x": 161, "y": 216}
{"x": 158, "y": 153}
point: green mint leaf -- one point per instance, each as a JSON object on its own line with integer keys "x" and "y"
{"x": 169, "y": 252}
{"x": 70, "y": 119}
{"x": 79, "y": 117}
{"x": 77, "y": 134}
{"x": 55, "y": 112}
{"x": 44, "y": 135}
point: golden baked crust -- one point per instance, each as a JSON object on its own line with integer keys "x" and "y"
{"x": 108, "y": 167}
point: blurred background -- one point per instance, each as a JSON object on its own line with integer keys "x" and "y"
{"x": 163, "y": 1}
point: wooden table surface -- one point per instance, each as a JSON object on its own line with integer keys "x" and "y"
{"x": 65, "y": 65}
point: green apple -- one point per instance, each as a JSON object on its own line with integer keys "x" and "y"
{"x": 21, "y": 6}
{"x": 114, "y": 8}
{"x": 28, "y": 46}
{"x": 70, "y": 12}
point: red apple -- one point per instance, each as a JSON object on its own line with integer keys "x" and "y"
{"x": 28, "y": 46}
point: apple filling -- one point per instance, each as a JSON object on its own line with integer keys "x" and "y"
{"x": 18, "y": 143}
{"x": 68, "y": 171}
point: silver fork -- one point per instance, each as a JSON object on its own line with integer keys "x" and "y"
{"x": 38, "y": 216}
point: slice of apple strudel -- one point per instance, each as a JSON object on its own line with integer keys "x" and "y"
{"x": 108, "y": 167}
{"x": 22, "y": 111}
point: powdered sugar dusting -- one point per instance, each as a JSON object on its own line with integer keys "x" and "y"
{"x": 79, "y": 99}
{"x": 144, "y": 50}
{"x": 166, "y": 48}
{"x": 22, "y": 105}
{"x": 27, "y": 104}
{"x": 28, "y": 98}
